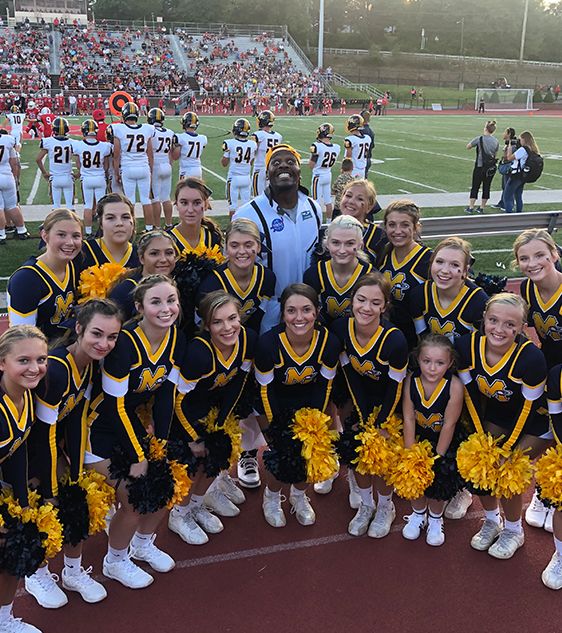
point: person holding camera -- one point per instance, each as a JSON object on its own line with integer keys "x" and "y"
{"x": 484, "y": 167}
{"x": 511, "y": 143}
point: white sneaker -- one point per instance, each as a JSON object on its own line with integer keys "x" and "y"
{"x": 226, "y": 484}
{"x": 154, "y": 556}
{"x": 91, "y": 590}
{"x": 43, "y": 587}
{"x": 360, "y": 522}
{"x": 272, "y": 509}
{"x": 207, "y": 520}
{"x": 507, "y": 544}
{"x": 552, "y": 575}
{"x": 485, "y": 537}
{"x": 459, "y": 504}
{"x": 354, "y": 496}
{"x": 435, "y": 532}
{"x": 220, "y": 504}
{"x": 248, "y": 469}
{"x": 548, "y": 526}
{"x": 381, "y": 524}
{"x": 415, "y": 523}
{"x": 127, "y": 573}
{"x": 186, "y": 528}
{"x": 536, "y": 512}
{"x": 17, "y": 625}
{"x": 302, "y": 509}
{"x": 325, "y": 487}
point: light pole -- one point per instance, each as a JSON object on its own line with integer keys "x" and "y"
{"x": 92, "y": 4}
{"x": 524, "y": 31}
{"x": 320, "y": 62}
{"x": 461, "y": 83}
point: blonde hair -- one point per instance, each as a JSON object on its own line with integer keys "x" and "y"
{"x": 245, "y": 226}
{"x": 508, "y": 299}
{"x": 409, "y": 208}
{"x": 346, "y": 223}
{"x": 369, "y": 188}
{"x": 18, "y": 333}
{"x": 456, "y": 243}
{"x": 211, "y": 302}
{"x": 60, "y": 215}
{"x": 528, "y": 141}
{"x": 529, "y": 235}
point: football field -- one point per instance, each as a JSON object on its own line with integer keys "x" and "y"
{"x": 414, "y": 154}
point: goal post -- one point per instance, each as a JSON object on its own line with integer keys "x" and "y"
{"x": 497, "y": 99}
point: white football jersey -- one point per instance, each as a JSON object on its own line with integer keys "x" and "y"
{"x": 192, "y": 146}
{"x": 265, "y": 140}
{"x": 162, "y": 143}
{"x": 241, "y": 153}
{"x": 60, "y": 152}
{"x": 359, "y": 150}
{"x": 327, "y": 156}
{"x": 92, "y": 154}
{"x": 134, "y": 142}
{"x": 16, "y": 120}
{"x": 7, "y": 151}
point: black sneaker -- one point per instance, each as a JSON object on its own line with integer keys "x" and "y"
{"x": 469, "y": 210}
{"x": 23, "y": 236}
{"x": 10, "y": 230}
{"x": 479, "y": 210}
{"x": 497, "y": 206}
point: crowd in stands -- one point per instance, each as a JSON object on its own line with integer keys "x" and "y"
{"x": 24, "y": 59}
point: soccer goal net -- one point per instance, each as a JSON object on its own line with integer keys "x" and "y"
{"x": 504, "y": 98}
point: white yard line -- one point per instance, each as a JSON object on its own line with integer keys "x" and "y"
{"x": 35, "y": 186}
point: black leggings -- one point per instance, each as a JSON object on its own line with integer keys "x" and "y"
{"x": 479, "y": 178}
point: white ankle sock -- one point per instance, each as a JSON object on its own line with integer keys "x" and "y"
{"x": 384, "y": 500}
{"x": 366, "y": 495}
{"x": 43, "y": 571}
{"x": 116, "y": 555}
{"x": 493, "y": 515}
{"x": 181, "y": 510}
{"x": 6, "y": 611}
{"x": 141, "y": 540}
{"x": 72, "y": 565}
{"x": 272, "y": 493}
{"x": 297, "y": 492}
{"x": 196, "y": 500}
{"x": 558, "y": 545}
{"x": 514, "y": 526}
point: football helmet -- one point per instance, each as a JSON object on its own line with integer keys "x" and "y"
{"x": 109, "y": 134}
{"x": 31, "y": 104}
{"x": 60, "y": 127}
{"x": 266, "y": 118}
{"x": 155, "y": 115}
{"x": 190, "y": 121}
{"x": 89, "y": 127}
{"x": 14, "y": 109}
{"x": 241, "y": 128}
{"x": 326, "y": 130}
{"x": 130, "y": 111}
{"x": 355, "y": 122}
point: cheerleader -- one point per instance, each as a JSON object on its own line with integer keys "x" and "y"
{"x": 504, "y": 378}
{"x": 295, "y": 365}
{"x": 157, "y": 256}
{"x": 405, "y": 262}
{"x": 359, "y": 198}
{"x": 552, "y": 575}
{"x": 194, "y": 229}
{"x": 142, "y": 369}
{"x": 61, "y": 401}
{"x": 374, "y": 361}
{"x": 23, "y": 363}
{"x": 333, "y": 279}
{"x": 116, "y": 217}
{"x": 431, "y": 406}
{"x": 254, "y": 286}
{"x": 42, "y": 291}
{"x": 537, "y": 257}
{"x": 213, "y": 375}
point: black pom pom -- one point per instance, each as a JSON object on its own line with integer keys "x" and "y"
{"x": 347, "y": 445}
{"x": 219, "y": 447}
{"x": 21, "y": 548}
{"x": 153, "y": 491}
{"x": 491, "y": 284}
{"x": 179, "y": 451}
{"x": 340, "y": 392}
{"x": 284, "y": 458}
{"x": 73, "y": 513}
{"x": 447, "y": 481}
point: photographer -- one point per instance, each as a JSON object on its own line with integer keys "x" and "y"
{"x": 511, "y": 143}
{"x": 484, "y": 167}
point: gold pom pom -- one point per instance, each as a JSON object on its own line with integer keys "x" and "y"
{"x": 214, "y": 253}
{"x": 231, "y": 427}
{"x": 549, "y": 475}
{"x": 100, "y": 496}
{"x": 157, "y": 449}
{"x": 413, "y": 470}
{"x": 312, "y": 428}
{"x": 48, "y": 523}
{"x": 182, "y": 483}
{"x": 478, "y": 460}
{"x": 514, "y": 474}
{"x": 96, "y": 281}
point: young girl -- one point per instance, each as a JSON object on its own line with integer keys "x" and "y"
{"x": 157, "y": 256}
{"x": 334, "y": 279}
{"x": 23, "y": 363}
{"x": 42, "y": 291}
{"x": 62, "y": 400}
{"x": 358, "y": 199}
{"x": 251, "y": 283}
{"x": 116, "y": 218}
{"x": 504, "y": 378}
{"x": 510, "y": 145}
{"x": 513, "y": 192}
{"x": 374, "y": 360}
{"x": 431, "y": 406}
{"x": 213, "y": 374}
{"x": 295, "y": 365}
{"x": 142, "y": 369}
{"x": 405, "y": 262}
{"x": 537, "y": 255}
{"x": 194, "y": 229}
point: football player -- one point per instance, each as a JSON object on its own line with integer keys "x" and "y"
{"x": 357, "y": 145}
{"x": 59, "y": 148}
{"x": 265, "y": 138}
{"x": 190, "y": 146}
{"x": 238, "y": 155}
{"x": 163, "y": 142}
{"x": 323, "y": 156}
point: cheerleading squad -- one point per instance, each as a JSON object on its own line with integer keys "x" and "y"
{"x": 169, "y": 364}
